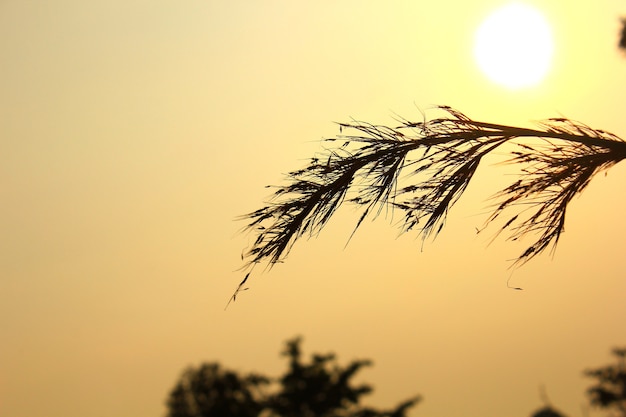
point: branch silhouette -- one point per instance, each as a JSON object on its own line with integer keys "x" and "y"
{"x": 422, "y": 168}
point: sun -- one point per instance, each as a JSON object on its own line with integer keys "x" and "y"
{"x": 513, "y": 46}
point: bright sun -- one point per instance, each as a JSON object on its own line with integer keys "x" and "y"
{"x": 513, "y": 46}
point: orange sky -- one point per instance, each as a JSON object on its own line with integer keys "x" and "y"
{"x": 135, "y": 132}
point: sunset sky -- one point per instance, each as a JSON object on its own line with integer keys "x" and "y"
{"x": 134, "y": 133}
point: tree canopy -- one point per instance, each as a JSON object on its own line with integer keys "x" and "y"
{"x": 609, "y": 389}
{"x": 317, "y": 388}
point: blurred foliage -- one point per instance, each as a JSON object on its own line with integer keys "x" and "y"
{"x": 318, "y": 388}
{"x": 547, "y": 411}
{"x": 210, "y": 390}
{"x": 609, "y": 390}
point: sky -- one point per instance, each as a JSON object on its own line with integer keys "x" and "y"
{"x": 134, "y": 133}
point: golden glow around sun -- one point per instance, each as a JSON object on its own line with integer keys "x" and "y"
{"x": 513, "y": 46}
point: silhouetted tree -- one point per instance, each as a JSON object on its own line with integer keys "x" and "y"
{"x": 547, "y": 411}
{"x": 212, "y": 391}
{"x": 320, "y": 388}
{"x": 609, "y": 391}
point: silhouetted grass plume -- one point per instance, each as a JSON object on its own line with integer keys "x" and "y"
{"x": 421, "y": 169}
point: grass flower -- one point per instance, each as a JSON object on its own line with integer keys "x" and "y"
{"x": 421, "y": 169}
